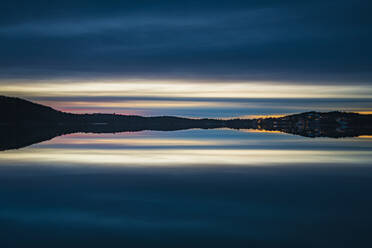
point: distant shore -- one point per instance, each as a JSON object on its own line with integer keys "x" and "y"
{"x": 24, "y": 123}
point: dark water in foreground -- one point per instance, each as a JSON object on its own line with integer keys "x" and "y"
{"x": 195, "y": 188}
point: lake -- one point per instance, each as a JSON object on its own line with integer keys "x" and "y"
{"x": 204, "y": 188}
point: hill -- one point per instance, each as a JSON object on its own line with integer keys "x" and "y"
{"x": 19, "y": 112}
{"x": 23, "y": 123}
{"x": 15, "y": 110}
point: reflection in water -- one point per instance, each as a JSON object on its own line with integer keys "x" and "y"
{"x": 191, "y": 188}
{"x": 193, "y": 147}
{"x": 217, "y": 147}
{"x": 183, "y": 157}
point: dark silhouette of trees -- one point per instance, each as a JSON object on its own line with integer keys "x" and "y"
{"x": 24, "y": 123}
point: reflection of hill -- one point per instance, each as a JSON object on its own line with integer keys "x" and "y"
{"x": 24, "y": 123}
{"x": 18, "y": 137}
{"x": 13, "y": 137}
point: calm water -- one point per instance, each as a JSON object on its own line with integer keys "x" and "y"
{"x": 195, "y": 188}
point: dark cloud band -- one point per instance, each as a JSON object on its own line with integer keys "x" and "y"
{"x": 298, "y": 41}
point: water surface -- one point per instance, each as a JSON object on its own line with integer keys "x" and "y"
{"x": 214, "y": 188}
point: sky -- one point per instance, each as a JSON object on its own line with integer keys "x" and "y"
{"x": 188, "y": 58}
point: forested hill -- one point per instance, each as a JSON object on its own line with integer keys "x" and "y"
{"x": 23, "y": 123}
{"x": 16, "y": 110}
{"x": 19, "y": 112}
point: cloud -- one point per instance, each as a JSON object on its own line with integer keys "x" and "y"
{"x": 291, "y": 41}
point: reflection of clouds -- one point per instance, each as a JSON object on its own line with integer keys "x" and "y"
{"x": 179, "y": 157}
{"x": 93, "y": 218}
{"x": 191, "y": 148}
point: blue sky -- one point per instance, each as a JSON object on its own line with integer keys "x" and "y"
{"x": 206, "y": 44}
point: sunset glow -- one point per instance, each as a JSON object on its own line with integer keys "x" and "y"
{"x": 183, "y": 89}
{"x": 191, "y": 98}
{"x": 185, "y": 124}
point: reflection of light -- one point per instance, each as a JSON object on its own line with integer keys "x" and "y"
{"x": 178, "y": 157}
